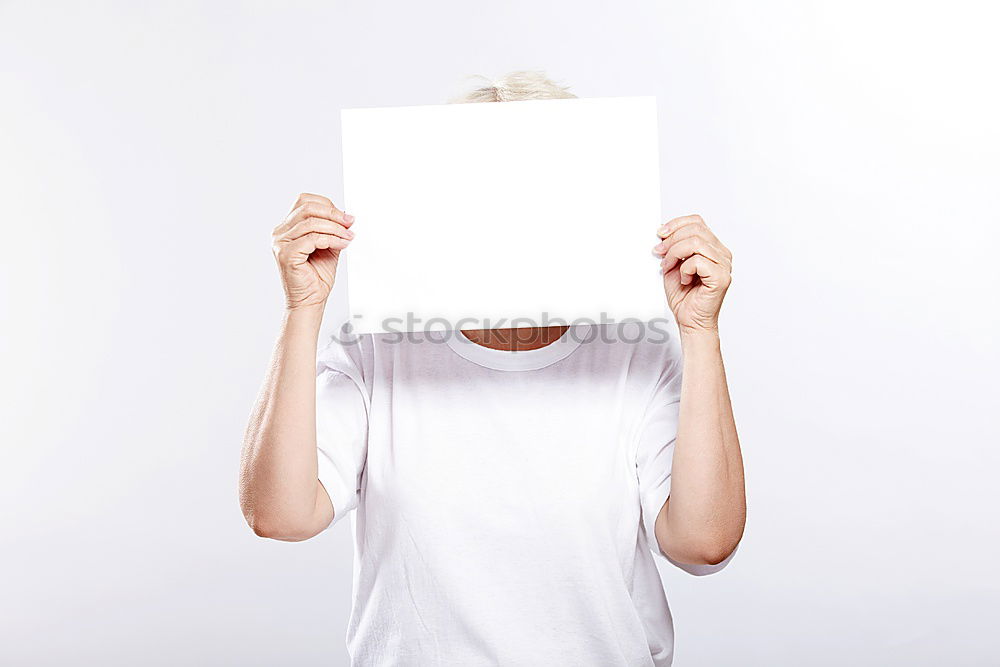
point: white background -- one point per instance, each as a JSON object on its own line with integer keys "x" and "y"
{"x": 847, "y": 153}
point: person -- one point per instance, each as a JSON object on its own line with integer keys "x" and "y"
{"x": 510, "y": 487}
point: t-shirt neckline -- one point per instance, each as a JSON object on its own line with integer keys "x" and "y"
{"x": 518, "y": 360}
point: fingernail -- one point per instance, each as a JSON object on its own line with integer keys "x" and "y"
{"x": 350, "y": 234}
{"x": 349, "y": 218}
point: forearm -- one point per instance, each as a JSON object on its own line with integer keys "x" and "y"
{"x": 705, "y": 515}
{"x": 279, "y": 489}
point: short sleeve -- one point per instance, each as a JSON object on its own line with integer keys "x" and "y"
{"x": 655, "y": 453}
{"x": 342, "y": 404}
{"x": 654, "y": 456}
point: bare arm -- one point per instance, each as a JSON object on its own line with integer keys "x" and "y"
{"x": 280, "y": 493}
{"x": 703, "y": 520}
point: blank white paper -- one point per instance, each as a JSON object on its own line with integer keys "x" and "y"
{"x": 506, "y": 214}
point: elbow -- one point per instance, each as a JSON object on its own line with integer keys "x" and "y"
{"x": 717, "y": 549}
{"x": 275, "y": 523}
{"x": 273, "y": 520}
{"x": 701, "y": 552}
{"x": 714, "y": 554}
{"x": 715, "y": 544}
{"x": 700, "y": 544}
{"x": 278, "y": 528}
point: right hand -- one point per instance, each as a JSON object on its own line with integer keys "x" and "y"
{"x": 307, "y": 248}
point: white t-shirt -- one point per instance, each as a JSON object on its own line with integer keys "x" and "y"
{"x": 504, "y": 500}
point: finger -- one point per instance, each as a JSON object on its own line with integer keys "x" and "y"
{"x": 672, "y": 226}
{"x": 298, "y": 251}
{"x": 681, "y": 250}
{"x": 709, "y": 272}
{"x": 311, "y": 209}
{"x": 308, "y": 196}
{"x": 688, "y": 225}
{"x": 321, "y": 225}
{"x": 713, "y": 247}
{"x": 696, "y": 244}
{"x": 686, "y": 232}
{"x": 690, "y": 268}
{"x": 687, "y": 229}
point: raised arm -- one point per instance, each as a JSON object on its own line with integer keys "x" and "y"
{"x": 703, "y": 520}
{"x": 280, "y": 493}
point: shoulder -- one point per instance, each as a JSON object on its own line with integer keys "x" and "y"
{"x": 648, "y": 345}
{"x": 367, "y": 355}
{"x": 345, "y": 352}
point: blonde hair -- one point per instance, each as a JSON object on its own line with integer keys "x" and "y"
{"x": 514, "y": 87}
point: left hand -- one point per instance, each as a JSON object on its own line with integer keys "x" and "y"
{"x": 697, "y": 271}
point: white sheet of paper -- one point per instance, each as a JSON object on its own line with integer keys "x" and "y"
{"x": 506, "y": 214}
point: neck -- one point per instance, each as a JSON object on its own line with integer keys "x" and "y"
{"x": 512, "y": 340}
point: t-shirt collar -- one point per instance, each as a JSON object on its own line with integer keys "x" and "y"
{"x": 519, "y": 360}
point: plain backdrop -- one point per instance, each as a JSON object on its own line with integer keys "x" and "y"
{"x": 846, "y": 152}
